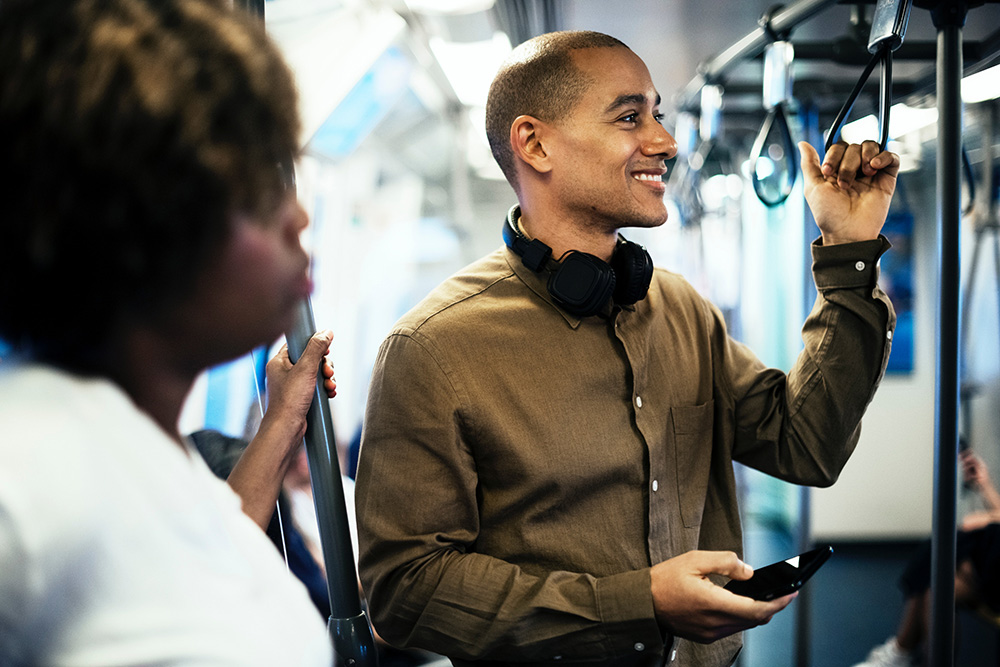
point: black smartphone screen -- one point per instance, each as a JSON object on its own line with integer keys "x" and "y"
{"x": 781, "y": 578}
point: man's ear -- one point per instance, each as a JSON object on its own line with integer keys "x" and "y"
{"x": 528, "y": 137}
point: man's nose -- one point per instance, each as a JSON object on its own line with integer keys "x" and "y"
{"x": 661, "y": 142}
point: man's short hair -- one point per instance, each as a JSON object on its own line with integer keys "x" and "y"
{"x": 132, "y": 132}
{"x": 537, "y": 79}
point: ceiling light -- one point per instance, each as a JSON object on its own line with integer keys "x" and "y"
{"x": 981, "y": 86}
{"x": 471, "y": 66}
{"x": 902, "y": 120}
{"x": 314, "y": 48}
{"x": 449, "y": 6}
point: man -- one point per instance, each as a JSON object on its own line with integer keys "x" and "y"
{"x": 546, "y": 471}
{"x": 148, "y": 233}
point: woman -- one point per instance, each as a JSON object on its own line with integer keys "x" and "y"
{"x": 147, "y": 233}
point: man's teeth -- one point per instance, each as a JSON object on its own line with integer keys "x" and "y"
{"x": 646, "y": 177}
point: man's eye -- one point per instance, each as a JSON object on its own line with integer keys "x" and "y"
{"x": 659, "y": 118}
{"x": 631, "y": 118}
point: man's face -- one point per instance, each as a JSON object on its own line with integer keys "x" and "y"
{"x": 609, "y": 153}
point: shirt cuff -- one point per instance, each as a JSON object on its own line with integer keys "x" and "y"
{"x": 847, "y": 265}
{"x": 625, "y": 605}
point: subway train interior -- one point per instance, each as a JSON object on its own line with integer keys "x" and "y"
{"x": 401, "y": 189}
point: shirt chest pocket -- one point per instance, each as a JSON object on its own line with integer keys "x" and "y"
{"x": 692, "y": 426}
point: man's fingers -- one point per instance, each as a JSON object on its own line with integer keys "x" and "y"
{"x": 760, "y": 611}
{"x": 850, "y": 164}
{"x": 833, "y": 157}
{"x": 869, "y": 151}
{"x": 774, "y": 606}
{"x": 847, "y": 162}
{"x": 809, "y": 159}
{"x": 887, "y": 163}
{"x": 725, "y": 563}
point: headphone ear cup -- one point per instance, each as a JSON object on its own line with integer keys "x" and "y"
{"x": 633, "y": 269}
{"x": 582, "y": 284}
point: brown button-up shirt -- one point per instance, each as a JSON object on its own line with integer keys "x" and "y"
{"x": 521, "y": 468}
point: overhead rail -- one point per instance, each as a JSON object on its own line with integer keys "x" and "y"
{"x": 848, "y": 52}
{"x": 712, "y": 70}
{"x": 976, "y": 56}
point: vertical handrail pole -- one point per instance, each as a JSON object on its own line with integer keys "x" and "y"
{"x": 803, "y": 616}
{"x": 949, "y": 18}
{"x": 350, "y": 632}
{"x": 348, "y": 626}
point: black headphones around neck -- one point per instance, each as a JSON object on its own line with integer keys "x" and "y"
{"x": 579, "y": 282}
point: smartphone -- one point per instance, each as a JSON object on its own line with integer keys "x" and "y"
{"x": 781, "y": 578}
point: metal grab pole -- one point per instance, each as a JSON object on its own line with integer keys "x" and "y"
{"x": 353, "y": 642}
{"x": 949, "y": 18}
{"x": 350, "y": 632}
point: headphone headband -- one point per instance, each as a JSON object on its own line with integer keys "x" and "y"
{"x": 533, "y": 253}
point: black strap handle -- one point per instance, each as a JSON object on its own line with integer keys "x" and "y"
{"x": 883, "y": 56}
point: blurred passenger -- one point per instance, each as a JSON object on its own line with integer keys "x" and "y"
{"x": 147, "y": 234}
{"x": 546, "y": 470}
{"x": 298, "y": 488}
{"x": 977, "y": 578}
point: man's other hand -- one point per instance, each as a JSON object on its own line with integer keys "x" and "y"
{"x": 689, "y": 605}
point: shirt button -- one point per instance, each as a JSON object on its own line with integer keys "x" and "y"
{"x": 860, "y": 266}
{"x": 639, "y": 646}
{"x": 888, "y": 334}
{"x": 656, "y": 485}
{"x": 638, "y": 401}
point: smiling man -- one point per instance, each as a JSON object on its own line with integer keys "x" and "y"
{"x": 546, "y": 471}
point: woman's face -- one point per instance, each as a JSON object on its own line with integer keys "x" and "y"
{"x": 248, "y": 295}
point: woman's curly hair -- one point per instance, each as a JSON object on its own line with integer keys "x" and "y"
{"x": 131, "y": 131}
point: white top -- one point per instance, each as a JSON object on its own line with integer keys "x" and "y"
{"x": 117, "y": 547}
